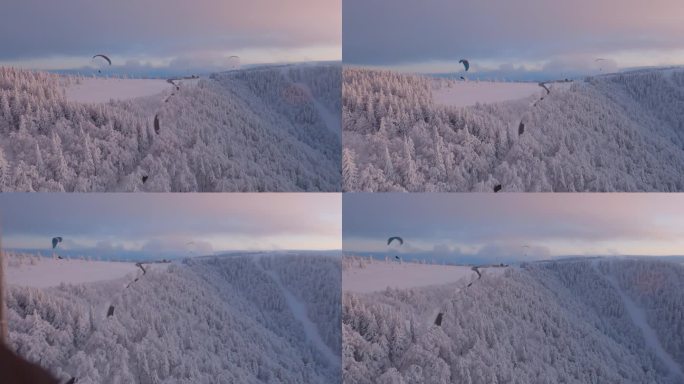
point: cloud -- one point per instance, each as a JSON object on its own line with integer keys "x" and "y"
{"x": 401, "y": 32}
{"x": 110, "y": 222}
{"x": 520, "y": 225}
{"x": 31, "y": 29}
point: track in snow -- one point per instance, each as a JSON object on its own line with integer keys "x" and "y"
{"x": 298, "y": 309}
{"x": 638, "y": 317}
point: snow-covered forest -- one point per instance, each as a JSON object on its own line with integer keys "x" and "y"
{"x": 619, "y": 132}
{"x": 257, "y": 318}
{"x": 264, "y": 129}
{"x": 587, "y": 321}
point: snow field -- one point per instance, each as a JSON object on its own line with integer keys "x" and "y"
{"x": 99, "y": 90}
{"x": 43, "y": 272}
{"x": 467, "y": 93}
{"x": 379, "y": 275}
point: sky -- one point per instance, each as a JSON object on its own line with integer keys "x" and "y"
{"x": 513, "y": 39}
{"x": 163, "y": 34}
{"x": 483, "y": 228}
{"x": 124, "y": 226}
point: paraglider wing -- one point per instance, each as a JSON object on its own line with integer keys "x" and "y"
{"x": 397, "y": 238}
{"x": 465, "y": 63}
{"x": 234, "y": 62}
{"x": 55, "y": 241}
{"x": 104, "y": 57}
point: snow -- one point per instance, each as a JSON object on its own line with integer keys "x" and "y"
{"x": 99, "y": 90}
{"x": 46, "y": 272}
{"x": 467, "y": 93}
{"x": 227, "y": 132}
{"x": 548, "y": 322}
{"x": 620, "y": 132}
{"x": 638, "y": 317}
{"x": 202, "y": 320}
{"x": 377, "y": 276}
{"x": 299, "y": 310}
{"x": 332, "y": 121}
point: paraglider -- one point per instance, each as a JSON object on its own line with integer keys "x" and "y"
{"x": 156, "y": 124}
{"x": 101, "y": 61}
{"x": 497, "y": 188}
{"x": 525, "y": 248}
{"x": 104, "y": 57}
{"x": 234, "y": 62}
{"x": 397, "y": 238}
{"x": 598, "y": 60}
{"x": 466, "y": 64}
{"x": 190, "y": 245}
{"x": 55, "y": 242}
{"x": 144, "y": 179}
{"x": 521, "y": 128}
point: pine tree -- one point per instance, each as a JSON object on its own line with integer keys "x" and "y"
{"x": 349, "y": 173}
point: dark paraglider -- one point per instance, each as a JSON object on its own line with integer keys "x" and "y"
{"x": 110, "y": 311}
{"x": 144, "y": 179}
{"x": 466, "y": 64}
{"x": 397, "y": 238}
{"x": 521, "y": 128}
{"x": 101, "y": 61}
{"x": 497, "y": 188}
{"x": 104, "y": 57}
{"x": 156, "y": 124}
{"x": 56, "y": 241}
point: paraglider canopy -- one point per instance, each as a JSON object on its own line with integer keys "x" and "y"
{"x": 234, "y": 62}
{"x": 465, "y": 63}
{"x": 109, "y": 61}
{"x": 55, "y": 241}
{"x": 100, "y": 62}
{"x": 397, "y": 238}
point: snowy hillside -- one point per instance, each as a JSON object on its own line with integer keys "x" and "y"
{"x": 232, "y": 319}
{"x": 467, "y": 93}
{"x": 42, "y": 272}
{"x": 267, "y": 129}
{"x": 99, "y": 90}
{"x": 621, "y": 132}
{"x": 603, "y": 321}
{"x": 363, "y": 276}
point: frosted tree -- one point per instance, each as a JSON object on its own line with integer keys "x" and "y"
{"x": 349, "y": 175}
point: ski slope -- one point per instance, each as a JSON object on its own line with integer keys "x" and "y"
{"x": 638, "y": 317}
{"x": 378, "y": 276}
{"x": 299, "y": 311}
{"x": 99, "y": 90}
{"x": 44, "y": 272}
{"x": 467, "y": 93}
